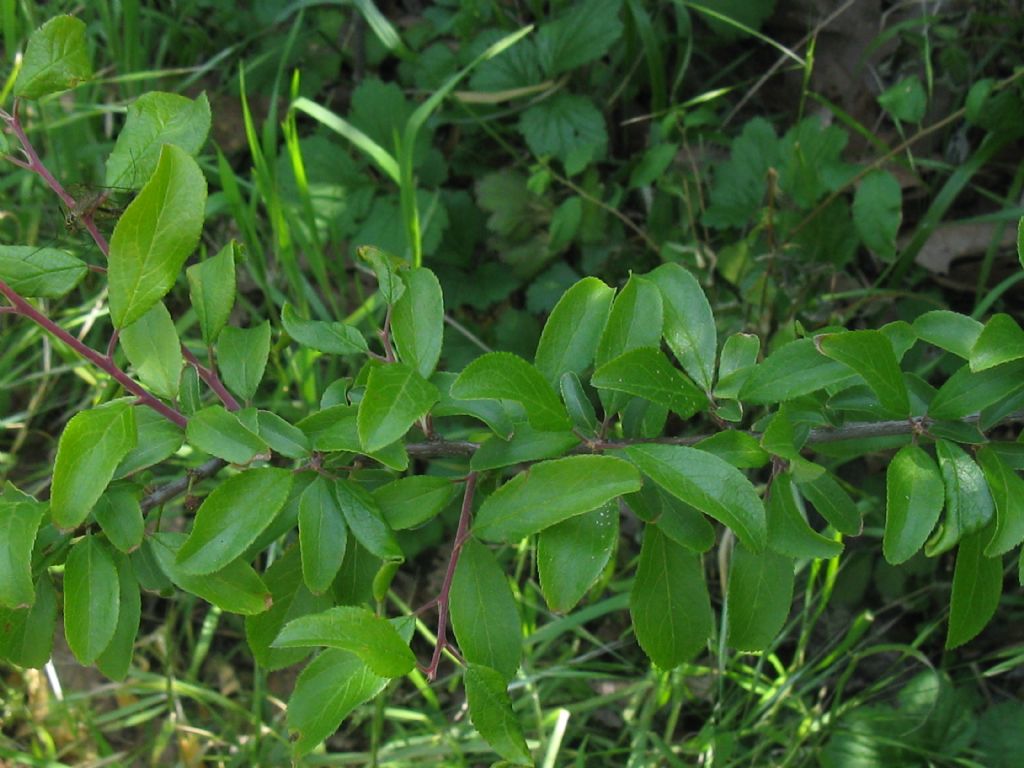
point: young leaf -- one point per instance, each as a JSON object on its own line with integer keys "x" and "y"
{"x": 386, "y": 267}
{"x": 119, "y": 515}
{"x": 91, "y": 599}
{"x": 645, "y": 372}
{"x": 484, "y": 613}
{"x": 758, "y": 599}
{"x": 552, "y": 491}
{"x": 870, "y": 354}
{"x": 739, "y": 355}
{"x": 332, "y": 338}
{"x": 490, "y": 710}
{"x": 706, "y": 482}
{"x": 569, "y": 339}
{"x": 155, "y": 235}
{"x": 117, "y": 656}
{"x": 503, "y": 376}
{"x": 231, "y": 518}
{"x": 1001, "y": 341}
{"x": 242, "y": 358}
{"x": 689, "y": 324}
{"x": 90, "y": 448}
{"x": 1008, "y": 494}
{"x": 417, "y": 321}
{"x": 46, "y": 273}
{"x": 19, "y": 522}
{"x": 669, "y": 602}
{"x": 834, "y": 504}
{"x": 396, "y": 397}
{"x": 914, "y": 494}
{"x": 152, "y": 346}
{"x": 969, "y": 506}
{"x": 977, "y": 586}
{"x": 366, "y": 522}
{"x": 211, "y": 285}
{"x": 788, "y": 531}
{"x": 877, "y": 211}
{"x": 357, "y": 630}
{"x": 967, "y": 392}
{"x": 572, "y": 554}
{"x": 322, "y": 535}
{"x": 950, "y": 331}
{"x": 26, "y": 634}
{"x": 412, "y": 501}
{"x": 220, "y": 433}
{"x": 791, "y": 371}
{"x": 56, "y": 58}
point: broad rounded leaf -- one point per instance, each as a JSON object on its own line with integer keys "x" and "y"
{"x": 950, "y": 331}
{"x": 417, "y": 321}
{"x": 120, "y": 516}
{"x": 26, "y": 634}
{"x": 569, "y": 339}
{"x": 490, "y": 710}
{"x": 647, "y": 373}
{"x": 412, "y": 501}
{"x": 46, "y": 273}
{"x": 323, "y": 535}
{"x": 1001, "y": 341}
{"x": 152, "y": 346}
{"x": 572, "y": 554}
{"x": 19, "y": 522}
{"x": 242, "y": 357}
{"x": 689, "y": 323}
{"x": 56, "y": 58}
{"x": 92, "y": 595}
{"x": 759, "y": 596}
{"x": 220, "y": 433}
{"x": 870, "y": 354}
{"x": 914, "y": 495}
{"x": 396, "y": 397}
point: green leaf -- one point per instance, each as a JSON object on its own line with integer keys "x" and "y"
{"x": 635, "y": 320}
{"x": 525, "y": 444}
{"x": 950, "y": 331}
{"x": 211, "y": 285}
{"x": 788, "y": 531}
{"x": 550, "y": 492}
{"x": 572, "y": 554}
{"x": 685, "y": 525}
{"x": 740, "y": 182}
{"x": 740, "y": 449}
{"x": 503, "y": 376}
{"x": 793, "y": 370}
{"x": 282, "y": 437}
{"x": 565, "y": 126}
{"x": 326, "y": 692}
{"x": 706, "y": 482}
{"x": 977, "y": 586}
{"x": 357, "y": 630}
{"x": 19, "y": 522}
{"x": 1001, "y": 341}
{"x": 231, "y": 518}
{"x": 645, "y": 372}
{"x": 332, "y": 338}
{"x": 156, "y": 438}
{"x": 758, "y": 599}
{"x": 571, "y": 333}
{"x": 219, "y": 432}
{"x": 689, "y": 323}
{"x": 322, "y": 535}
{"x": 334, "y": 429}
{"x": 967, "y": 392}
{"x": 56, "y": 58}
{"x": 412, "y": 501}
{"x": 490, "y": 711}
{"x": 46, "y": 273}
{"x": 417, "y": 321}
{"x": 91, "y": 599}
{"x": 152, "y": 120}
{"x": 483, "y": 611}
{"x": 834, "y": 504}
{"x": 119, "y": 515}
{"x": 906, "y": 100}
{"x": 242, "y": 358}
{"x": 396, "y": 397}
{"x": 493, "y": 413}
{"x": 26, "y": 635}
{"x": 1007, "y": 489}
{"x": 117, "y": 656}
{"x": 739, "y": 355}
{"x": 877, "y": 213}
{"x": 580, "y": 409}
{"x": 152, "y": 346}
{"x": 914, "y": 494}
{"x": 585, "y": 32}
{"x": 366, "y": 521}
{"x": 870, "y": 354}
{"x": 90, "y": 448}
{"x": 155, "y": 236}
{"x": 386, "y": 267}
{"x": 236, "y": 588}
{"x": 969, "y": 505}
{"x": 669, "y": 602}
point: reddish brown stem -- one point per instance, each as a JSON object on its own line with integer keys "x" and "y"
{"x": 212, "y": 380}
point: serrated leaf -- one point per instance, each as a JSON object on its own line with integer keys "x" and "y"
{"x": 242, "y": 357}
{"x": 977, "y": 586}
{"x": 396, "y": 397}
{"x": 332, "y": 338}
{"x": 793, "y": 370}
{"x": 689, "y": 323}
{"x": 570, "y": 336}
{"x": 550, "y": 492}
{"x": 877, "y": 213}
{"x": 412, "y": 501}
{"x": 504, "y": 376}
{"x": 906, "y": 100}
{"x": 19, "y": 522}
{"x": 564, "y": 125}
{"x": 120, "y": 517}
{"x": 484, "y": 613}
{"x": 46, "y": 273}
{"x": 706, "y": 482}
{"x": 26, "y": 635}
{"x": 950, "y": 331}
{"x": 117, "y": 656}
{"x": 152, "y": 346}
{"x": 740, "y": 183}
{"x": 56, "y": 58}
{"x": 758, "y": 599}
{"x": 155, "y": 236}
{"x": 572, "y": 554}
{"x": 1001, "y": 341}
{"x": 356, "y": 630}
{"x": 967, "y": 392}
{"x": 90, "y": 448}
{"x": 788, "y": 531}
{"x": 417, "y": 321}
{"x": 220, "y": 433}
{"x": 1007, "y": 490}
{"x": 91, "y": 599}
{"x": 914, "y": 495}
{"x": 969, "y": 505}
{"x": 870, "y": 354}
{"x": 322, "y": 535}
{"x": 211, "y": 285}
{"x": 586, "y": 31}
{"x": 490, "y": 711}
{"x": 669, "y": 602}
{"x": 647, "y": 373}
{"x": 833, "y": 504}
{"x": 366, "y": 521}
